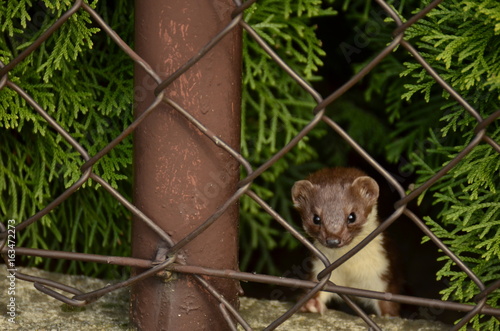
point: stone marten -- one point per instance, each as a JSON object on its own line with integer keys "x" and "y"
{"x": 338, "y": 207}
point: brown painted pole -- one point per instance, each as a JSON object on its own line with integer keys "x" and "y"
{"x": 181, "y": 177}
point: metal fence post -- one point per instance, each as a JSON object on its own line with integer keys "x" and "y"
{"x": 180, "y": 176}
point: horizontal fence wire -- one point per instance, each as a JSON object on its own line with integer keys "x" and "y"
{"x": 169, "y": 264}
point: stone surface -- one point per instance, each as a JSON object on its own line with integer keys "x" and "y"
{"x": 38, "y": 311}
{"x": 260, "y": 313}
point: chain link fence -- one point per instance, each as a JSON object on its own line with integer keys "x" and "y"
{"x": 79, "y": 298}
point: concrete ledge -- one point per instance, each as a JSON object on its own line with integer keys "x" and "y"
{"x": 260, "y": 313}
{"x": 37, "y": 311}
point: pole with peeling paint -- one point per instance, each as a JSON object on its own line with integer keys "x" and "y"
{"x": 180, "y": 176}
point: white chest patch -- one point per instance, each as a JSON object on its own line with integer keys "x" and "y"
{"x": 364, "y": 270}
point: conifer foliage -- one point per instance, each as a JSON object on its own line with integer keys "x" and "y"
{"x": 461, "y": 39}
{"x": 84, "y": 82}
{"x": 274, "y": 109}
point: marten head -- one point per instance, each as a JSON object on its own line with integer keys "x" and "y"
{"x": 335, "y": 204}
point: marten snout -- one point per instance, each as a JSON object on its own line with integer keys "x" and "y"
{"x": 335, "y": 239}
{"x": 333, "y": 243}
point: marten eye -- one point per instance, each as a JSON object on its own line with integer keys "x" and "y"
{"x": 351, "y": 218}
{"x": 316, "y": 219}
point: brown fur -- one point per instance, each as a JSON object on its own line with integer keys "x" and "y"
{"x": 326, "y": 201}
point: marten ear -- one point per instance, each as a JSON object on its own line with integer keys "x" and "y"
{"x": 367, "y": 187}
{"x": 301, "y": 191}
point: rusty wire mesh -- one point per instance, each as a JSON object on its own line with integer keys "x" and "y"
{"x": 78, "y": 298}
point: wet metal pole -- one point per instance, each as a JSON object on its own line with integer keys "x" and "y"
{"x": 180, "y": 176}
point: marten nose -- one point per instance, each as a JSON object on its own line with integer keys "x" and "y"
{"x": 332, "y": 243}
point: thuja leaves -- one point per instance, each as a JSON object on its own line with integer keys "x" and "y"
{"x": 275, "y": 108}
{"x": 460, "y": 40}
{"x": 89, "y": 94}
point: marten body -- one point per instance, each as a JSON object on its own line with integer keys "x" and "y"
{"x": 338, "y": 208}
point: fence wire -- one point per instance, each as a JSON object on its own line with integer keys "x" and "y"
{"x": 79, "y": 298}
